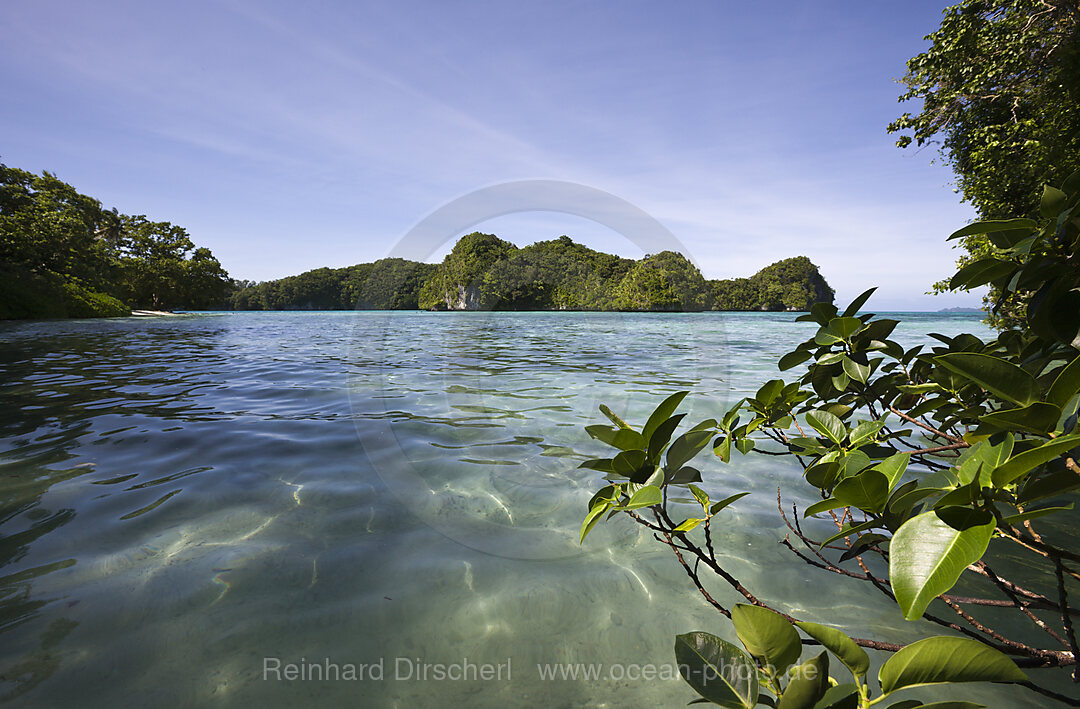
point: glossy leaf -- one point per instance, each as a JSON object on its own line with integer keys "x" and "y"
{"x": 827, "y": 425}
{"x": 852, "y": 529}
{"x": 628, "y": 462}
{"x": 620, "y": 438}
{"x": 646, "y": 496}
{"x": 614, "y": 418}
{"x": 717, "y": 670}
{"x": 793, "y": 359}
{"x": 869, "y": 490}
{"x": 717, "y": 506}
{"x": 809, "y": 684}
{"x": 856, "y": 371}
{"x": 990, "y": 226}
{"x": 1027, "y": 461}
{"x": 686, "y": 446}
{"x": 946, "y": 659}
{"x": 980, "y": 273}
{"x": 1066, "y": 385}
{"x": 823, "y": 506}
{"x": 689, "y": 524}
{"x": 767, "y": 636}
{"x": 851, "y": 655}
{"x": 853, "y": 306}
{"x": 660, "y": 436}
{"x": 662, "y": 413}
{"x": 994, "y": 374}
{"x": 841, "y": 696}
{"x": 893, "y": 467}
{"x": 927, "y": 556}
{"x": 1039, "y": 417}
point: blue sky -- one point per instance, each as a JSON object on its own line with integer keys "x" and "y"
{"x": 287, "y": 136}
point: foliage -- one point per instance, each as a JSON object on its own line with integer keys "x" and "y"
{"x": 1000, "y": 92}
{"x": 387, "y": 284}
{"x": 666, "y": 281}
{"x": 66, "y": 256}
{"x": 791, "y": 284}
{"x": 930, "y": 465}
{"x": 485, "y": 273}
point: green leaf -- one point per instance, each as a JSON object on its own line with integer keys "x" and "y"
{"x": 839, "y": 644}
{"x": 629, "y": 462}
{"x": 827, "y": 425}
{"x": 717, "y": 670}
{"x": 842, "y": 696}
{"x": 601, "y": 464}
{"x": 869, "y": 491}
{"x": 686, "y": 446}
{"x": 1039, "y": 417}
{"x": 1052, "y": 202}
{"x": 1066, "y": 385}
{"x": 701, "y": 496}
{"x": 981, "y": 272}
{"x": 849, "y": 530}
{"x": 893, "y": 467}
{"x": 990, "y": 226}
{"x": 614, "y": 418}
{"x": 769, "y": 391}
{"x": 767, "y": 636}
{"x": 685, "y": 475}
{"x": 689, "y": 524}
{"x": 620, "y": 438}
{"x": 858, "y": 372}
{"x": 793, "y": 359}
{"x": 946, "y": 659}
{"x": 662, "y": 413}
{"x": 854, "y": 306}
{"x": 844, "y": 327}
{"x": 927, "y": 556}
{"x": 1034, "y": 514}
{"x": 660, "y": 436}
{"x": 865, "y": 431}
{"x": 722, "y": 448}
{"x": 994, "y": 374}
{"x": 1027, "y": 461}
{"x": 596, "y": 511}
{"x": 717, "y": 506}
{"x": 823, "y": 506}
{"x": 646, "y": 496}
{"x": 809, "y": 684}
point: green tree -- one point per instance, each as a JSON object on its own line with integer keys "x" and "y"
{"x": 54, "y": 260}
{"x": 1000, "y": 93}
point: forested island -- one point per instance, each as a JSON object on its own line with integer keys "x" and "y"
{"x": 62, "y": 254}
{"x": 484, "y": 272}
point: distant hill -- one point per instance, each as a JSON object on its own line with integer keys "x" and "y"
{"x": 484, "y": 272}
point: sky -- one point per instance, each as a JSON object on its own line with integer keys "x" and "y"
{"x": 288, "y": 136}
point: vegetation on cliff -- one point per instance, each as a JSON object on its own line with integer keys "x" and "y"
{"x": 484, "y": 272}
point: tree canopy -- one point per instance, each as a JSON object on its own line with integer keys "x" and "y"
{"x": 63, "y": 255}
{"x": 484, "y": 272}
{"x": 1000, "y": 93}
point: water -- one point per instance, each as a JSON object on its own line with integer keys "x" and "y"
{"x": 184, "y": 498}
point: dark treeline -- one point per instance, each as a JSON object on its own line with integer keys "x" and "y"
{"x": 63, "y": 255}
{"x": 484, "y": 272}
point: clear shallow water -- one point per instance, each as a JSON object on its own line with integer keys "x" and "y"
{"x": 183, "y": 498}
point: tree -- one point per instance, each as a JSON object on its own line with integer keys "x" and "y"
{"x": 1000, "y": 92}
{"x": 921, "y": 461}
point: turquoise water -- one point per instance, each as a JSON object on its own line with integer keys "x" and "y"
{"x": 188, "y": 500}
